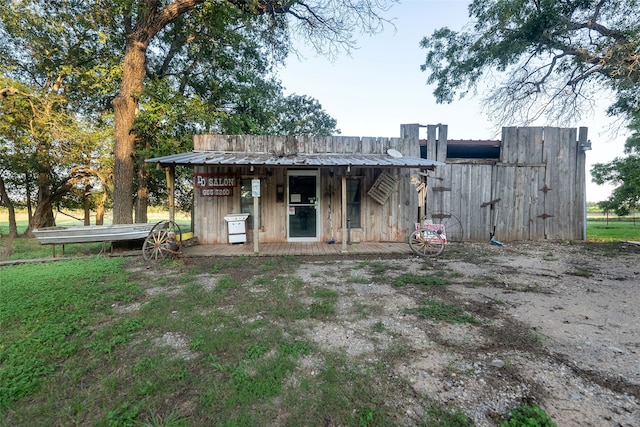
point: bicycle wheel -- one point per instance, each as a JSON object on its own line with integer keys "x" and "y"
{"x": 426, "y": 243}
{"x": 453, "y": 230}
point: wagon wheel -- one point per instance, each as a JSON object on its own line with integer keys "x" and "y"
{"x": 426, "y": 243}
{"x": 163, "y": 241}
{"x": 452, "y": 226}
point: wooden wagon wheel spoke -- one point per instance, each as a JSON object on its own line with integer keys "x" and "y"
{"x": 163, "y": 241}
{"x": 152, "y": 247}
{"x": 425, "y": 243}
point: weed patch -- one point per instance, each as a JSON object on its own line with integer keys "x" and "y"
{"x": 438, "y": 416}
{"x": 420, "y": 280}
{"x": 526, "y": 415}
{"x": 441, "y": 311}
{"x": 580, "y": 272}
{"x": 324, "y": 304}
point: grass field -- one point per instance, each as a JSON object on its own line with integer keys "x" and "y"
{"x": 601, "y": 229}
{"x": 107, "y": 342}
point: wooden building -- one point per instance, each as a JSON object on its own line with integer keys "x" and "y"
{"x": 306, "y": 188}
{"x": 531, "y": 185}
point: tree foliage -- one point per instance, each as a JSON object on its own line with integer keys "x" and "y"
{"x": 548, "y": 57}
{"x": 170, "y": 27}
{"x": 624, "y": 173}
{"x": 54, "y": 85}
{"x": 552, "y": 59}
{"x": 160, "y": 71}
{"x": 45, "y": 149}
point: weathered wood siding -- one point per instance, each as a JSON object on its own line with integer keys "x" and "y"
{"x": 391, "y": 221}
{"x": 535, "y": 191}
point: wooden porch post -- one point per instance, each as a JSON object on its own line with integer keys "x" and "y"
{"x": 256, "y": 226}
{"x": 343, "y": 205}
{"x": 170, "y": 172}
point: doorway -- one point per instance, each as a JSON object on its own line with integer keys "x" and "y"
{"x": 303, "y": 188}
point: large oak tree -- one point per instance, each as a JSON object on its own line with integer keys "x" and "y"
{"x": 143, "y": 20}
{"x": 540, "y": 58}
{"x": 548, "y": 58}
{"x": 115, "y": 53}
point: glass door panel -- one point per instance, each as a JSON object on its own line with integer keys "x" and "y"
{"x": 302, "y": 205}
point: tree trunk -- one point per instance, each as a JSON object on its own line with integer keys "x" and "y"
{"x": 7, "y": 249}
{"x": 151, "y": 20}
{"x": 125, "y": 105}
{"x": 100, "y": 209}
{"x": 13, "y": 228}
{"x": 142, "y": 199}
{"x": 86, "y": 203}
{"x": 43, "y": 216}
{"x": 29, "y": 203}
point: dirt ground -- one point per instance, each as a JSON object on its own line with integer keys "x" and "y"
{"x": 561, "y": 329}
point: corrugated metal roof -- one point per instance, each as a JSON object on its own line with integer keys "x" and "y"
{"x": 216, "y": 158}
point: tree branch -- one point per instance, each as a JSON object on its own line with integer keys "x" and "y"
{"x": 10, "y": 91}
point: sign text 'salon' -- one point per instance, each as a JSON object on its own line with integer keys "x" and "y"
{"x": 215, "y": 185}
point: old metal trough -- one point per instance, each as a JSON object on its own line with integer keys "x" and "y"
{"x": 92, "y": 233}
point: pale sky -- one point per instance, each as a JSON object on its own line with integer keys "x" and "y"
{"x": 380, "y": 86}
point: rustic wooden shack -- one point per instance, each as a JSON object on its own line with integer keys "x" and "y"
{"x": 304, "y": 189}
{"x": 532, "y": 188}
{"x": 530, "y": 185}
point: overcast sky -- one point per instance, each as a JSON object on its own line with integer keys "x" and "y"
{"x": 380, "y": 86}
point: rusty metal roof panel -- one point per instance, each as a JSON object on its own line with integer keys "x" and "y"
{"x": 214, "y": 158}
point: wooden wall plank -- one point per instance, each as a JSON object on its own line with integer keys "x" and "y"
{"x": 580, "y": 180}
{"x": 508, "y": 153}
{"x": 552, "y": 158}
{"x": 503, "y": 216}
{"x": 441, "y": 153}
{"x": 530, "y": 145}
{"x": 568, "y": 141}
{"x": 473, "y": 216}
{"x": 432, "y": 132}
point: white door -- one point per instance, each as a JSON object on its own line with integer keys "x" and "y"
{"x": 303, "y": 215}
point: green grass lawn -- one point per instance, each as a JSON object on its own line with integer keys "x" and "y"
{"x": 72, "y": 354}
{"x": 50, "y": 317}
{"x": 109, "y": 342}
{"x": 74, "y": 219}
{"x": 601, "y": 230}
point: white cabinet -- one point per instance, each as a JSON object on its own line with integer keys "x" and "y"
{"x": 236, "y": 227}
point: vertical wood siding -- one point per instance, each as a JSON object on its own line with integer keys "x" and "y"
{"x": 534, "y": 191}
{"x": 537, "y": 186}
{"x": 390, "y": 221}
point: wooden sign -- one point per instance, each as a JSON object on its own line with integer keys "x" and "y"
{"x": 215, "y": 185}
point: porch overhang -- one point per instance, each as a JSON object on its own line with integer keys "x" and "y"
{"x": 300, "y": 160}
